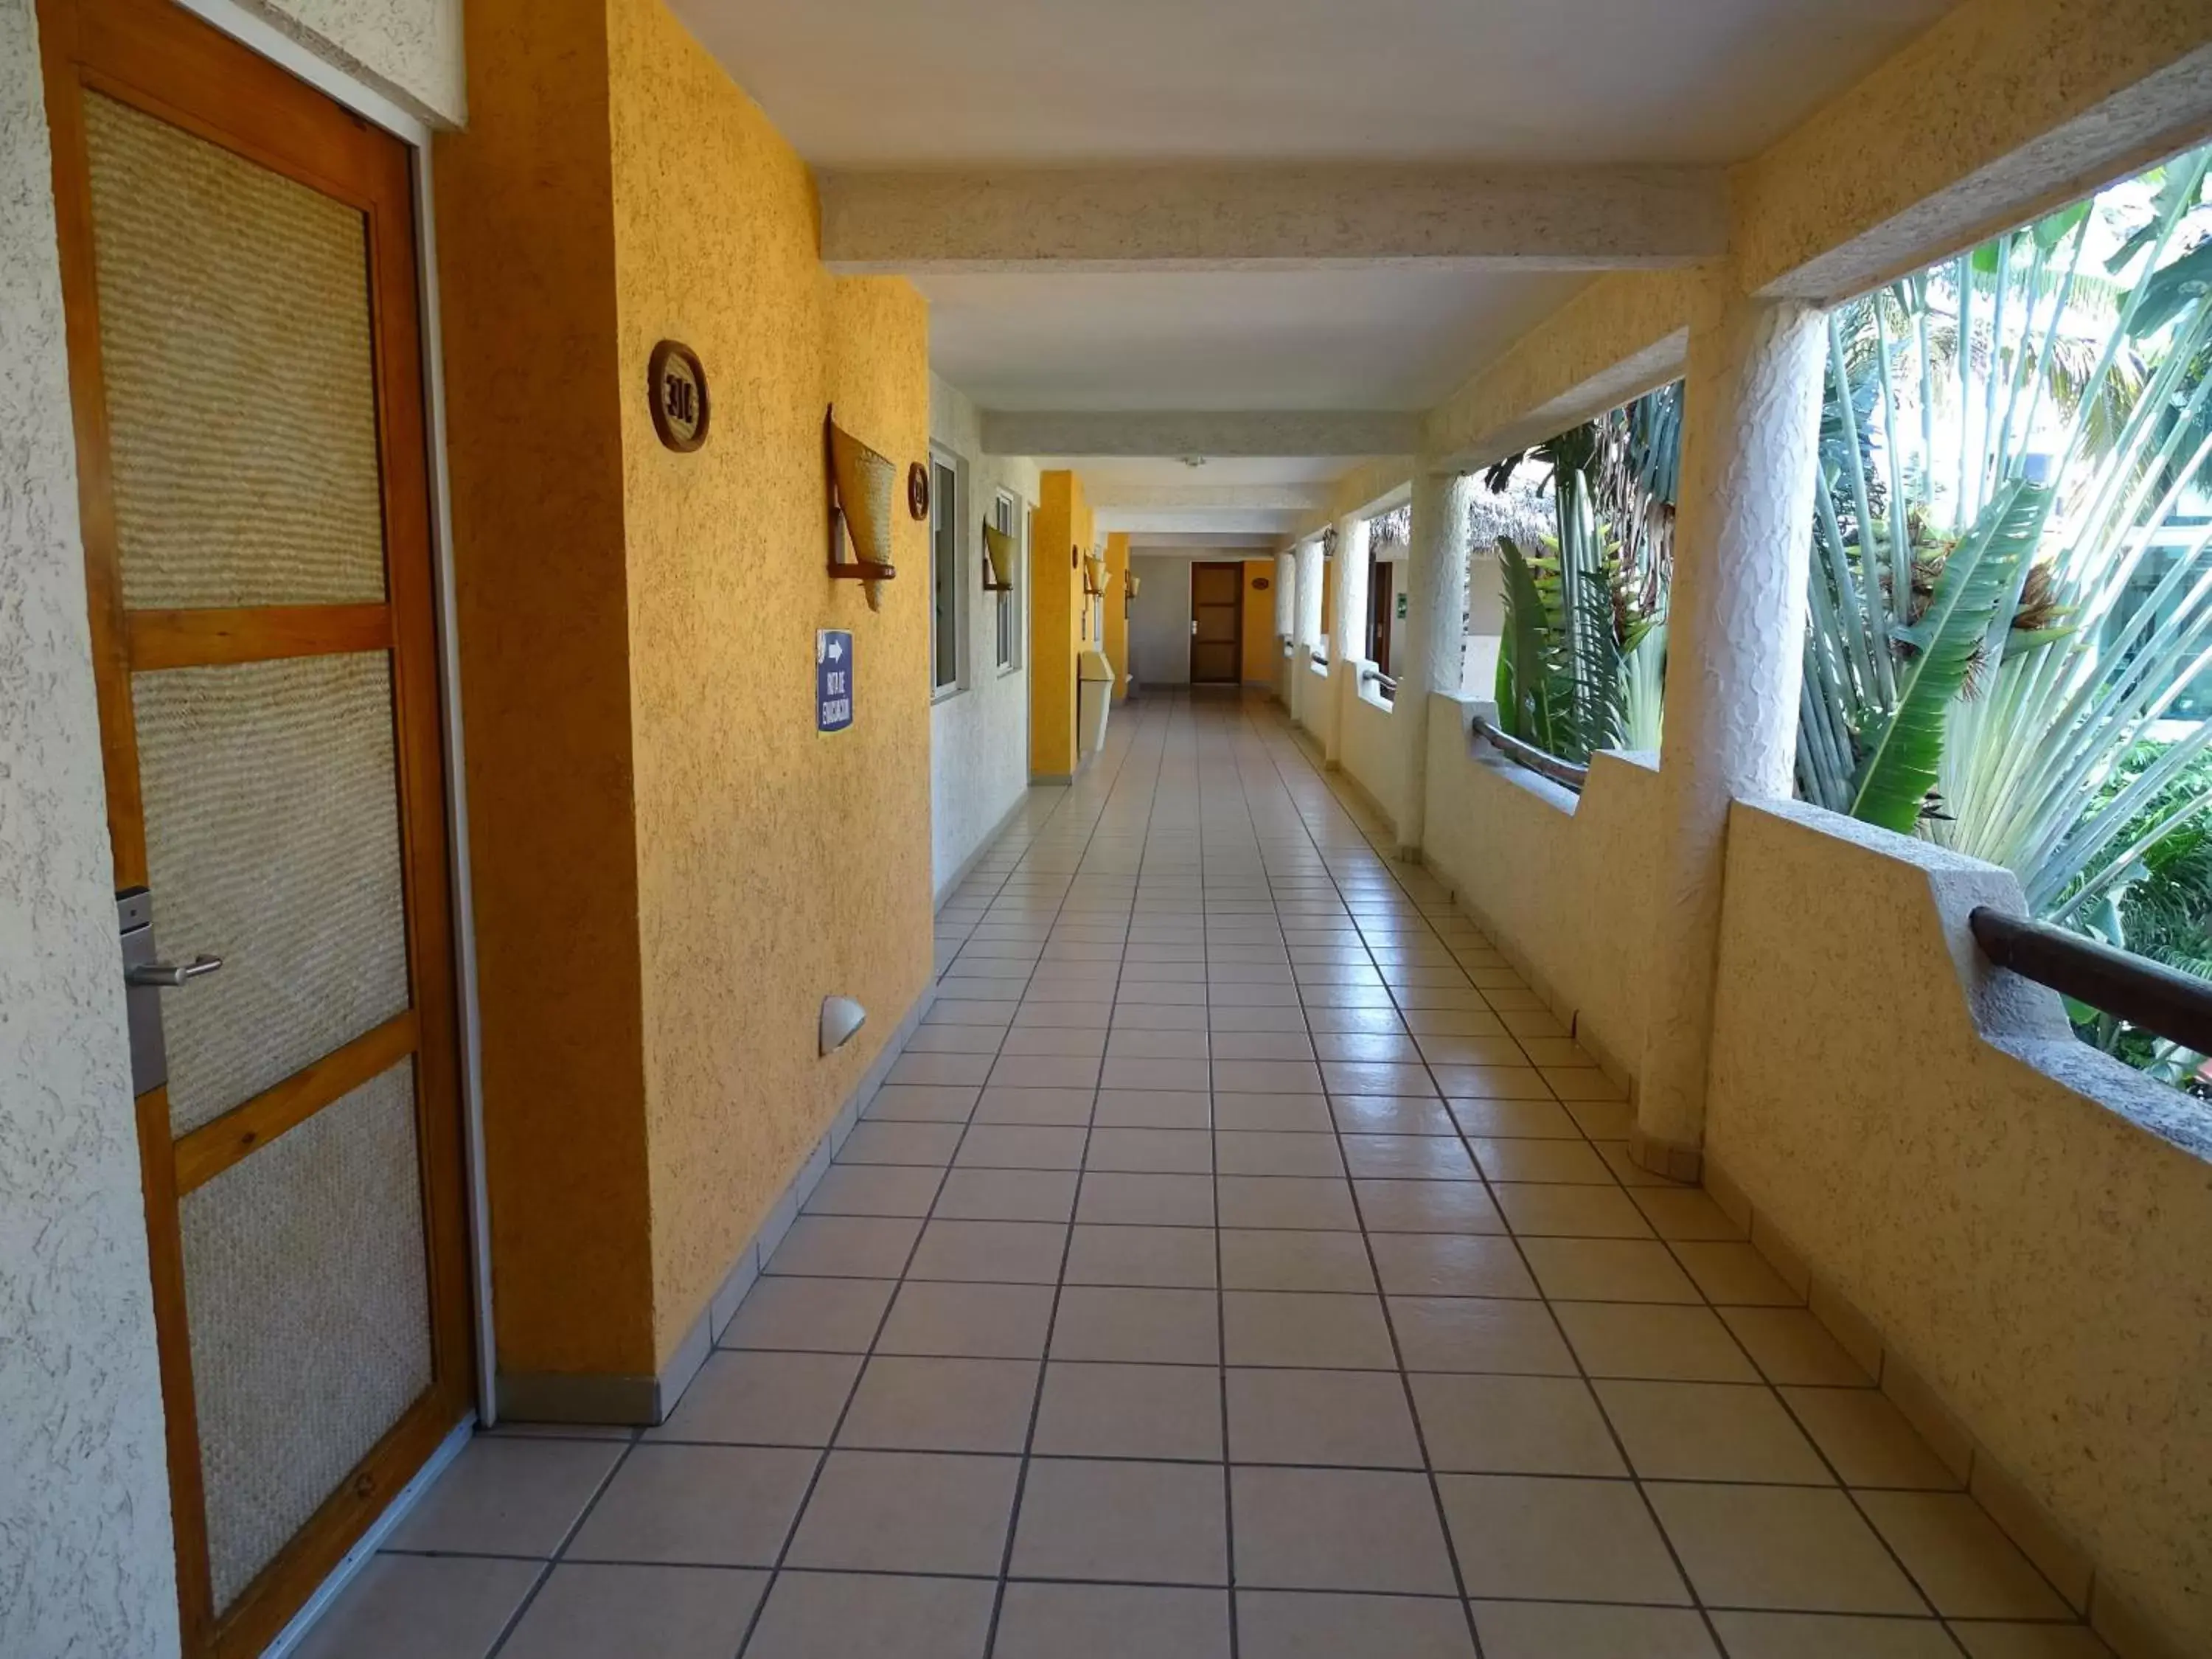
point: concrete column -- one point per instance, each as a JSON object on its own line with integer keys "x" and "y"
{"x": 1349, "y": 642}
{"x": 1286, "y": 589}
{"x": 1308, "y": 620}
{"x": 1735, "y": 652}
{"x": 1486, "y": 618}
{"x": 1436, "y": 635}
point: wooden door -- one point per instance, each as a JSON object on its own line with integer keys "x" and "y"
{"x": 239, "y": 264}
{"x": 1380, "y": 601}
{"x": 1217, "y": 607}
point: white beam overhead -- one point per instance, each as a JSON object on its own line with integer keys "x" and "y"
{"x": 1231, "y": 218}
{"x": 1142, "y": 432}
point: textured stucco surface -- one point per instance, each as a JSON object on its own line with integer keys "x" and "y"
{"x": 2038, "y": 1256}
{"x": 1564, "y": 884}
{"x": 1736, "y": 659}
{"x": 1263, "y": 651}
{"x": 775, "y": 866}
{"x": 1430, "y": 646}
{"x": 534, "y": 382}
{"x": 1061, "y": 525}
{"x": 87, "y": 1567}
{"x": 979, "y": 761}
{"x": 2044, "y": 100}
{"x": 410, "y": 49}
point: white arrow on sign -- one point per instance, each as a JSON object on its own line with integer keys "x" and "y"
{"x": 837, "y": 650}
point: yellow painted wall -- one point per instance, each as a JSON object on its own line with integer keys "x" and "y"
{"x": 1060, "y": 532}
{"x": 737, "y": 865}
{"x": 1263, "y": 655}
{"x": 1117, "y": 611}
{"x": 1328, "y": 602}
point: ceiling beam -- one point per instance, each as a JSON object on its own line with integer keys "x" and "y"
{"x": 1282, "y": 433}
{"x": 1210, "y": 218}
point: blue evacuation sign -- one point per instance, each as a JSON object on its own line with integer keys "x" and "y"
{"x": 833, "y": 679}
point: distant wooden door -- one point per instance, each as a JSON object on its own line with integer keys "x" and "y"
{"x": 1380, "y": 602}
{"x": 239, "y": 266}
{"x": 1217, "y": 607}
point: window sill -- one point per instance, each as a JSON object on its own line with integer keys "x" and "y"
{"x": 1006, "y": 670}
{"x": 945, "y": 694}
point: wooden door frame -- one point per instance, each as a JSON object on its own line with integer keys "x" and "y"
{"x": 158, "y": 58}
{"x": 1382, "y": 601}
{"x": 1237, "y": 648}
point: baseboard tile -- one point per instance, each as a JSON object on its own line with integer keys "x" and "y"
{"x": 2032, "y": 1529}
{"x": 647, "y": 1400}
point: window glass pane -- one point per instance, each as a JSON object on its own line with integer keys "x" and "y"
{"x": 944, "y": 578}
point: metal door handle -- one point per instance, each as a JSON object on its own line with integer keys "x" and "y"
{"x": 168, "y": 974}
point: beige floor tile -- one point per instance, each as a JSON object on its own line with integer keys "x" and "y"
{"x": 1377, "y": 1077}
{"x": 1867, "y": 1439}
{"x": 1153, "y": 1108}
{"x": 874, "y": 1189}
{"x": 1711, "y": 1431}
{"x": 1150, "y": 1151}
{"x": 1306, "y": 1115}
{"x": 1145, "y": 1201}
{"x": 1537, "y": 1630}
{"x": 1281, "y": 1260}
{"x": 1473, "y": 1334}
{"x": 1284, "y": 1624}
{"x": 1126, "y": 1072}
{"x": 1244, "y": 1153}
{"x": 1286, "y": 1201}
{"x": 1147, "y": 1327}
{"x": 913, "y": 1404}
{"x": 1408, "y": 1157}
{"x": 762, "y": 1399}
{"x": 1735, "y": 1274}
{"x": 1007, "y": 1196}
{"x": 1449, "y": 1264}
{"x": 1172, "y": 1257}
{"x": 1157, "y": 1524}
{"x": 1139, "y": 1043}
{"x": 1270, "y": 1327}
{"x": 1686, "y": 1213}
{"x": 1490, "y": 1082}
{"x": 957, "y": 1010}
{"x": 1293, "y": 1046}
{"x": 1654, "y": 1340}
{"x": 1320, "y": 1018}
{"x": 423, "y": 1606}
{"x": 1514, "y": 1425}
{"x": 1529, "y": 1158}
{"x": 1607, "y": 1270}
{"x": 1538, "y": 1538}
{"x": 1968, "y": 1568}
{"x": 1046, "y": 1072}
{"x": 1338, "y": 1529}
{"x": 924, "y": 1513}
{"x": 990, "y": 1252}
{"x": 1168, "y": 1412}
{"x": 1021, "y": 1147}
{"x": 1112, "y": 1621}
{"x": 1050, "y": 1040}
{"x": 923, "y": 1103}
{"x": 1796, "y": 1548}
{"x": 1830, "y": 1635}
{"x": 970, "y": 1069}
{"x": 879, "y": 1141}
{"x": 1352, "y": 1418}
{"x": 2027, "y": 1641}
{"x": 1427, "y": 1206}
{"x": 1790, "y": 1346}
{"x": 1556, "y": 1212}
{"x": 837, "y": 1615}
{"x": 1389, "y": 1047}
{"x": 1392, "y": 1115}
{"x": 509, "y": 1497}
{"x": 828, "y": 1315}
{"x": 1186, "y": 1016}
{"x": 588, "y": 1611}
{"x": 1044, "y": 1108}
{"x": 1219, "y": 1019}
{"x": 697, "y": 1505}
{"x": 969, "y": 1322}
{"x": 1267, "y": 1077}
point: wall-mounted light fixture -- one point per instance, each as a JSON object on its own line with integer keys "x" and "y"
{"x": 862, "y": 485}
{"x": 997, "y": 559}
{"x": 841, "y": 1017}
{"x": 1094, "y": 575}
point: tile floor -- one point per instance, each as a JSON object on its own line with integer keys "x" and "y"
{"x": 1240, "y": 1261}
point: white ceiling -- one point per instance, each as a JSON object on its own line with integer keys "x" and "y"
{"x": 890, "y": 82}
{"x": 1372, "y": 336}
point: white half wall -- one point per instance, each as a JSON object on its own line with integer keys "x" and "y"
{"x": 979, "y": 737}
{"x": 87, "y": 1563}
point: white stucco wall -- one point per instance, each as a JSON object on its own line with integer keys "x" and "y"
{"x": 979, "y": 738}
{"x": 409, "y": 50}
{"x": 2027, "y": 1223}
{"x": 1371, "y": 742}
{"x": 86, "y": 1560}
{"x": 1159, "y": 622}
{"x": 1564, "y": 885}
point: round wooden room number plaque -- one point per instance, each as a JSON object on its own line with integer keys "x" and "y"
{"x": 677, "y": 384}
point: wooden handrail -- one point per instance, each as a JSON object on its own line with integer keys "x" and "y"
{"x": 2176, "y": 1006}
{"x": 1565, "y": 774}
